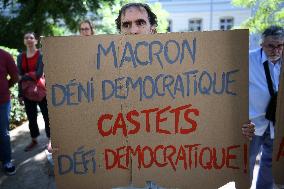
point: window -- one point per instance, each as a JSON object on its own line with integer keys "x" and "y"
{"x": 195, "y": 25}
{"x": 226, "y": 23}
{"x": 169, "y": 29}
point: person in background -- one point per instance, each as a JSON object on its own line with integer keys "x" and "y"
{"x": 30, "y": 67}
{"x": 7, "y": 68}
{"x": 86, "y": 28}
{"x": 260, "y": 128}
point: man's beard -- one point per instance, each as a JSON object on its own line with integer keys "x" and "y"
{"x": 274, "y": 59}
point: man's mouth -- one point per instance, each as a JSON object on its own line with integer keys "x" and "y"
{"x": 274, "y": 58}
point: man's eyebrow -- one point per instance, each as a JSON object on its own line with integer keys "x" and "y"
{"x": 125, "y": 22}
{"x": 140, "y": 20}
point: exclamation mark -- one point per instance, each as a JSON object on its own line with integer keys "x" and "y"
{"x": 245, "y": 157}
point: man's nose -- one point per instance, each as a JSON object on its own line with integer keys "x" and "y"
{"x": 134, "y": 29}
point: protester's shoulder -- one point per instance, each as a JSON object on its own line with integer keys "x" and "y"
{"x": 254, "y": 52}
{"x": 20, "y": 54}
{"x": 6, "y": 56}
{"x": 4, "y": 53}
{"x": 254, "y": 55}
{"x": 39, "y": 51}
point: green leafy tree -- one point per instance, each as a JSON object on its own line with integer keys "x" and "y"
{"x": 265, "y": 13}
{"x": 44, "y": 17}
{"x": 106, "y": 16}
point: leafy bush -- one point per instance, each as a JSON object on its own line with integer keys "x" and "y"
{"x": 18, "y": 114}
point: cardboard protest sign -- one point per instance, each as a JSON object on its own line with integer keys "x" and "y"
{"x": 278, "y": 146}
{"x": 165, "y": 107}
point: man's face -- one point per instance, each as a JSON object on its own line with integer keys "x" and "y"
{"x": 85, "y": 29}
{"x": 136, "y": 21}
{"x": 273, "y": 47}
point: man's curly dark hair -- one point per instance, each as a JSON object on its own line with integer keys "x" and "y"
{"x": 152, "y": 17}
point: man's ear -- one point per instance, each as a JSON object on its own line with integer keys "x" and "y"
{"x": 153, "y": 30}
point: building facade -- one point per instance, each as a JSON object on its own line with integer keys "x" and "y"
{"x": 203, "y": 15}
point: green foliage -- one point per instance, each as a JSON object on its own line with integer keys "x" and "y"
{"x": 244, "y": 3}
{"x": 162, "y": 16}
{"x": 109, "y": 12}
{"x": 18, "y": 114}
{"x": 53, "y": 17}
{"x": 268, "y": 13}
{"x": 44, "y": 17}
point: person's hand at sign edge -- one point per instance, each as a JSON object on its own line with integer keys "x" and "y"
{"x": 248, "y": 130}
{"x": 52, "y": 149}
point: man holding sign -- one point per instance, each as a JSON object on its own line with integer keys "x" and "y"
{"x": 134, "y": 19}
{"x": 144, "y": 100}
